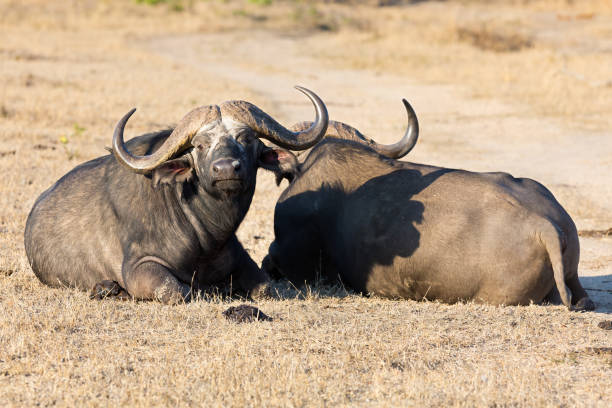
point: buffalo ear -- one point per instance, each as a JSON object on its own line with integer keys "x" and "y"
{"x": 173, "y": 171}
{"x": 280, "y": 161}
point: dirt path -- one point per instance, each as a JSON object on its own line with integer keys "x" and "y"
{"x": 456, "y": 130}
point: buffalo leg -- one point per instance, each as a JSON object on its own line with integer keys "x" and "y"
{"x": 581, "y": 301}
{"x": 250, "y": 278}
{"x": 234, "y": 265}
{"x": 296, "y": 257}
{"x": 580, "y": 298}
{"x": 245, "y": 272}
{"x": 268, "y": 266}
{"x": 153, "y": 281}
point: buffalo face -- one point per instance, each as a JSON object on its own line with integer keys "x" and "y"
{"x": 221, "y": 147}
{"x": 225, "y": 158}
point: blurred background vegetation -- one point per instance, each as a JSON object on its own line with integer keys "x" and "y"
{"x": 550, "y": 55}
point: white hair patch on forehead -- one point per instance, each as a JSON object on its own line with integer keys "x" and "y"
{"x": 220, "y": 128}
{"x": 206, "y": 127}
{"x": 231, "y": 124}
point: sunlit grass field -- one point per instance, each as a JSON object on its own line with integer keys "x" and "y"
{"x": 70, "y": 70}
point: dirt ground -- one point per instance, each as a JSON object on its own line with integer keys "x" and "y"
{"x": 519, "y": 86}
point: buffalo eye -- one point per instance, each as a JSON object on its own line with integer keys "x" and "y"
{"x": 200, "y": 147}
{"x": 244, "y": 138}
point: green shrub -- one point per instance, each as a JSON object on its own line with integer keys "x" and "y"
{"x": 261, "y": 2}
{"x": 150, "y": 2}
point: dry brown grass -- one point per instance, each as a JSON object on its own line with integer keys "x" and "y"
{"x": 69, "y": 70}
{"x": 553, "y": 62}
{"x": 319, "y": 351}
{"x": 492, "y": 40}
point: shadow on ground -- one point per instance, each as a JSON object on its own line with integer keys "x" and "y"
{"x": 599, "y": 289}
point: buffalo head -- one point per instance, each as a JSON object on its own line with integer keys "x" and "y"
{"x": 397, "y": 150}
{"x": 339, "y": 130}
{"x": 220, "y": 146}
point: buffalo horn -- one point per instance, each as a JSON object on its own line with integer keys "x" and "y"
{"x": 270, "y": 129}
{"x": 179, "y": 139}
{"x": 394, "y": 151}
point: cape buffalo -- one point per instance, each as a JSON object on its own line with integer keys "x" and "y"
{"x": 407, "y": 230}
{"x": 159, "y": 215}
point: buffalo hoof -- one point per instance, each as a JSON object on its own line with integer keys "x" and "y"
{"x": 245, "y": 314}
{"x": 584, "y": 305}
{"x": 108, "y": 289}
{"x": 261, "y": 291}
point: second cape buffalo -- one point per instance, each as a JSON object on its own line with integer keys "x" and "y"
{"x": 406, "y": 230}
{"x": 158, "y": 216}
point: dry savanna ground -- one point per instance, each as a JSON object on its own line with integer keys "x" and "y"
{"x": 521, "y": 86}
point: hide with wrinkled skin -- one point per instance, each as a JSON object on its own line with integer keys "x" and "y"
{"x": 406, "y": 230}
{"x": 159, "y": 215}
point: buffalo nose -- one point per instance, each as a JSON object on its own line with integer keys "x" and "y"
{"x": 226, "y": 167}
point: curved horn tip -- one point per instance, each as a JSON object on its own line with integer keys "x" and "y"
{"x": 125, "y": 117}
{"x": 412, "y": 116}
{"x": 307, "y": 92}
{"x": 122, "y": 122}
{"x": 316, "y": 100}
{"x": 408, "y": 106}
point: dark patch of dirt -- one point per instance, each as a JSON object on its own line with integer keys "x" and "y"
{"x": 601, "y": 352}
{"x": 245, "y": 314}
{"x": 605, "y": 324}
{"x": 488, "y": 39}
{"x": 398, "y": 365}
{"x": 43, "y": 147}
{"x": 23, "y": 55}
{"x": 598, "y": 351}
{"x": 9, "y": 153}
{"x": 5, "y": 112}
{"x": 595, "y": 233}
{"x": 7, "y": 272}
